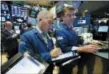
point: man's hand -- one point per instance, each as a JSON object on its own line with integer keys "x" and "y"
{"x": 55, "y": 52}
{"x": 88, "y": 49}
{"x": 14, "y": 35}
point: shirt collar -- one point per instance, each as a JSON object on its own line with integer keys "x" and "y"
{"x": 66, "y": 26}
{"x": 39, "y": 30}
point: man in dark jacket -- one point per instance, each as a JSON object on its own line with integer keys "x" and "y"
{"x": 38, "y": 42}
{"x": 29, "y": 27}
{"x": 9, "y": 39}
{"x": 67, "y": 39}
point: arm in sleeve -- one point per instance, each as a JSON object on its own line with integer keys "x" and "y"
{"x": 62, "y": 42}
{"x": 46, "y": 56}
{"x": 24, "y": 44}
{"x": 6, "y": 36}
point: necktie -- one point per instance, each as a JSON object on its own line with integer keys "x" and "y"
{"x": 44, "y": 35}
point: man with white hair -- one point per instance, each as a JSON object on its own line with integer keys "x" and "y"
{"x": 37, "y": 41}
{"x": 9, "y": 39}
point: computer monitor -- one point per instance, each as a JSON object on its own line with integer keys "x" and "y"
{"x": 25, "y": 64}
{"x": 33, "y": 21}
{"x": 4, "y": 6}
{"x": 15, "y": 10}
{"x": 81, "y": 21}
{"x": 33, "y": 13}
{"x": 103, "y": 28}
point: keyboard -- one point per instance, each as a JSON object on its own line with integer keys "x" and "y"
{"x": 104, "y": 50}
{"x": 103, "y": 46}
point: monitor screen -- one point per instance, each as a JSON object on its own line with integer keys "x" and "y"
{"x": 33, "y": 21}
{"x": 3, "y": 19}
{"x": 33, "y": 13}
{"x": 18, "y": 11}
{"x": 4, "y": 6}
{"x": 26, "y": 65}
{"x": 81, "y": 21}
{"x": 14, "y": 11}
{"x": 103, "y": 29}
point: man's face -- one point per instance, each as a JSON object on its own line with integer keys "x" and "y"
{"x": 47, "y": 24}
{"x": 69, "y": 17}
{"x": 9, "y": 25}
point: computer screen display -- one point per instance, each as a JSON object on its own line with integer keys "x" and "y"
{"x": 26, "y": 65}
{"x": 4, "y": 6}
{"x": 15, "y": 11}
{"x": 81, "y": 21}
{"x": 33, "y": 13}
{"x": 18, "y": 11}
{"x": 33, "y": 21}
{"x": 103, "y": 29}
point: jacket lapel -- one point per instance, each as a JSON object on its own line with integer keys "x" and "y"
{"x": 39, "y": 35}
{"x": 41, "y": 38}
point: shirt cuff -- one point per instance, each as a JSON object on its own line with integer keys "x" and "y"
{"x": 74, "y": 48}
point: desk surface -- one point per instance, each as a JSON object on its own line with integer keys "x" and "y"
{"x": 103, "y": 54}
{"x": 104, "y": 45}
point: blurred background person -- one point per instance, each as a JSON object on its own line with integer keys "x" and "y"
{"x": 29, "y": 27}
{"x": 22, "y": 28}
{"x": 9, "y": 39}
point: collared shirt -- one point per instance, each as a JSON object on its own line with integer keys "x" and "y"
{"x": 42, "y": 32}
{"x": 71, "y": 28}
{"x": 45, "y": 36}
{"x": 38, "y": 30}
{"x": 66, "y": 38}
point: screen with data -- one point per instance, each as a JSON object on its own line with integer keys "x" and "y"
{"x": 26, "y": 65}
{"x": 103, "y": 29}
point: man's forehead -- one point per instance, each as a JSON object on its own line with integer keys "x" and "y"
{"x": 70, "y": 12}
{"x": 8, "y": 22}
{"x": 41, "y": 14}
{"x": 44, "y": 14}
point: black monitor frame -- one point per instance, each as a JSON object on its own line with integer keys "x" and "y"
{"x": 9, "y": 64}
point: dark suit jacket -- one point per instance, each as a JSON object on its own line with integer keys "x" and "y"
{"x": 8, "y": 41}
{"x": 33, "y": 42}
{"x": 66, "y": 38}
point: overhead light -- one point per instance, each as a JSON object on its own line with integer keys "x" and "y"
{"x": 67, "y": 5}
{"x": 99, "y": 21}
{"x": 27, "y": 6}
{"x": 19, "y": 20}
{"x": 86, "y": 10}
